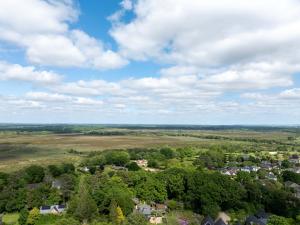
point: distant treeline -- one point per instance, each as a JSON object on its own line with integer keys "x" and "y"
{"x": 88, "y": 128}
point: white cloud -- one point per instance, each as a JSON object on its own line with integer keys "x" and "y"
{"x": 291, "y": 94}
{"x": 211, "y": 48}
{"x": 47, "y": 97}
{"x": 217, "y": 33}
{"x": 43, "y": 31}
{"x": 88, "y": 101}
{"x": 28, "y": 74}
{"x": 127, "y": 4}
{"x": 228, "y": 45}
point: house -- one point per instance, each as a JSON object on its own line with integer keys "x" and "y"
{"x": 207, "y": 221}
{"x": 54, "y": 209}
{"x": 161, "y": 208}
{"x": 84, "y": 169}
{"x": 33, "y": 186}
{"x": 119, "y": 168}
{"x": 155, "y": 220}
{"x": 252, "y": 220}
{"x": 295, "y": 159}
{"x": 290, "y": 184}
{"x": 142, "y": 162}
{"x": 260, "y": 218}
{"x": 224, "y": 217}
{"x": 250, "y": 169}
{"x": 254, "y": 168}
{"x": 271, "y": 176}
{"x": 266, "y": 165}
{"x": 56, "y": 184}
{"x": 144, "y": 209}
{"x": 295, "y": 187}
{"x": 231, "y": 171}
{"x": 295, "y": 170}
{"x": 220, "y": 222}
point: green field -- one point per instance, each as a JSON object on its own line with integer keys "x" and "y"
{"x": 11, "y": 218}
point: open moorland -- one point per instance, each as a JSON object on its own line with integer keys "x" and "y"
{"x": 22, "y": 145}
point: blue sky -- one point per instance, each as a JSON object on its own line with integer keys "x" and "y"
{"x": 150, "y": 61}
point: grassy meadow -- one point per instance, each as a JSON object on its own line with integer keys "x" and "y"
{"x": 22, "y": 147}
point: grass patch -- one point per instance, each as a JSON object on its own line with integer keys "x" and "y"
{"x": 11, "y": 218}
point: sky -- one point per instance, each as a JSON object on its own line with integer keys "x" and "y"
{"x": 150, "y": 62}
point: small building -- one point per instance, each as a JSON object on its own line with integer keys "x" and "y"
{"x": 33, "y": 186}
{"x": 119, "y": 168}
{"x": 54, "y": 209}
{"x": 295, "y": 170}
{"x": 266, "y": 165}
{"x": 155, "y": 220}
{"x": 207, "y": 221}
{"x": 86, "y": 169}
{"x": 219, "y": 221}
{"x": 290, "y": 184}
{"x": 161, "y": 208}
{"x": 142, "y": 162}
{"x": 224, "y": 217}
{"x": 271, "y": 176}
{"x": 144, "y": 209}
{"x": 1, "y": 222}
{"x": 250, "y": 169}
{"x": 260, "y": 218}
{"x": 295, "y": 187}
{"x": 295, "y": 159}
{"x": 230, "y": 171}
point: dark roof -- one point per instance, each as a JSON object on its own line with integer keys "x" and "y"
{"x": 261, "y": 214}
{"x": 207, "y": 221}
{"x": 33, "y": 186}
{"x": 144, "y": 209}
{"x": 61, "y": 206}
{"x": 56, "y": 183}
{"x": 45, "y": 207}
{"x": 254, "y": 220}
{"x": 220, "y": 222}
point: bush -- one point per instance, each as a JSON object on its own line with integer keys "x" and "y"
{"x": 119, "y": 158}
{"x": 54, "y": 170}
{"x": 133, "y": 166}
{"x": 168, "y": 153}
{"x": 34, "y": 174}
{"x": 153, "y": 163}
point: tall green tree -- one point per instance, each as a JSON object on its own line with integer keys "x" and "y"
{"x": 106, "y": 190}
{"x": 82, "y": 206}
{"x": 33, "y": 216}
{"x": 23, "y": 216}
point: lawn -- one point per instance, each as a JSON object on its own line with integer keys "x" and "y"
{"x": 11, "y": 218}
